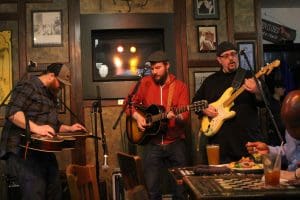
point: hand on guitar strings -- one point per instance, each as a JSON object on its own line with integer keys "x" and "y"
{"x": 140, "y": 120}
{"x": 172, "y": 115}
{"x": 43, "y": 130}
{"x": 250, "y": 85}
{"x": 210, "y": 111}
{"x": 77, "y": 127}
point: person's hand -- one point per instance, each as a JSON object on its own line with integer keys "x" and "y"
{"x": 257, "y": 147}
{"x": 250, "y": 85}
{"x": 77, "y": 127}
{"x": 140, "y": 120}
{"x": 171, "y": 115}
{"x": 210, "y": 111}
{"x": 44, "y": 130}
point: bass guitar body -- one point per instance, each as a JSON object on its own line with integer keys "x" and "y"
{"x": 154, "y": 127}
{"x": 210, "y": 126}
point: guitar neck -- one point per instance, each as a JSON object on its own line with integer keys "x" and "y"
{"x": 176, "y": 111}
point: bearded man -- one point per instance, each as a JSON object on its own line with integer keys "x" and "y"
{"x": 167, "y": 148}
{"x": 32, "y": 109}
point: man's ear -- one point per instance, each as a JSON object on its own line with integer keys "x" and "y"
{"x": 219, "y": 60}
{"x": 168, "y": 65}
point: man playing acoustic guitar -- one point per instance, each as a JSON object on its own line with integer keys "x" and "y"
{"x": 167, "y": 148}
{"x": 240, "y": 127}
{"x": 32, "y": 109}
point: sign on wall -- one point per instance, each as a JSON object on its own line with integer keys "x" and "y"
{"x": 277, "y": 33}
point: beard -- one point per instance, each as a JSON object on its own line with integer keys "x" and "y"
{"x": 53, "y": 87}
{"x": 162, "y": 79}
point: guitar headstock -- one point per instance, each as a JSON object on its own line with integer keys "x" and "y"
{"x": 197, "y": 106}
{"x": 269, "y": 67}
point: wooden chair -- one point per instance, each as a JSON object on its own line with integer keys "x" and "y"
{"x": 82, "y": 182}
{"x": 133, "y": 177}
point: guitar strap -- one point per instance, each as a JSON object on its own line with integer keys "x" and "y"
{"x": 27, "y": 135}
{"x": 238, "y": 78}
{"x": 170, "y": 95}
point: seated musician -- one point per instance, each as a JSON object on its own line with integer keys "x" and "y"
{"x": 290, "y": 114}
{"x": 32, "y": 109}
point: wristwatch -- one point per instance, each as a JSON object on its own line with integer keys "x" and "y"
{"x": 297, "y": 173}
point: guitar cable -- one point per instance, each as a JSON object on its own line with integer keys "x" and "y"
{"x": 27, "y": 135}
{"x": 26, "y": 149}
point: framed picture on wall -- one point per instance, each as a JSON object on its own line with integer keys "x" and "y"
{"x": 246, "y": 49}
{"x": 201, "y": 75}
{"x": 47, "y": 28}
{"x": 207, "y": 38}
{"x": 206, "y": 9}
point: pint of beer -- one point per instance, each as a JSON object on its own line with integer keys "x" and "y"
{"x": 213, "y": 154}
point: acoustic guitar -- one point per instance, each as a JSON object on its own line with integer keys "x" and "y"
{"x": 210, "y": 126}
{"x": 156, "y": 119}
{"x": 57, "y": 143}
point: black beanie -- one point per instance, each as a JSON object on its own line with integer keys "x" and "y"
{"x": 225, "y": 46}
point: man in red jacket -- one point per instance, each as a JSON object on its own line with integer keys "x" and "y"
{"x": 166, "y": 148}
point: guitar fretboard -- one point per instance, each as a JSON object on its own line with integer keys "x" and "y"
{"x": 198, "y": 105}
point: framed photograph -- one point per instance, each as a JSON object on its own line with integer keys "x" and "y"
{"x": 246, "y": 49}
{"x": 207, "y": 36}
{"x": 206, "y": 9}
{"x": 47, "y": 28}
{"x": 200, "y": 76}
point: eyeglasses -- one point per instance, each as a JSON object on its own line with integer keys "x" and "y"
{"x": 232, "y": 54}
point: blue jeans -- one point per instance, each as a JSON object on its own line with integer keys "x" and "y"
{"x": 158, "y": 157}
{"x": 38, "y": 175}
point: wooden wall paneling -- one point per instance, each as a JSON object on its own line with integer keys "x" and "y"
{"x": 204, "y": 63}
{"x": 8, "y": 16}
{"x": 230, "y": 19}
{"x": 246, "y": 36}
{"x": 257, "y": 9}
{"x": 78, "y": 155}
{"x": 22, "y": 35}
{"x": 180, "y": 39}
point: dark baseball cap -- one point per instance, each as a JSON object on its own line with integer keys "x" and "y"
{"x": 225, "y": 46}
{"x": 61, "y": 72}
{"x": 158, "y": 56}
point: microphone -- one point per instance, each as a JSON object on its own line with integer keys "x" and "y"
{"x": 31, "y": 66}
{"x": 147, "y": 65}
{"x": 242, "y": 52}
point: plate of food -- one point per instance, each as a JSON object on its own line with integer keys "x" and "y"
{"x": 246, "y": 165}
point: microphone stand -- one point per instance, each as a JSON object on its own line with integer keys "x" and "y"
{"x": 267, "y": 103}
{"x": 95, "y": 110}
{"x": 129, "y": 98}
{"x": 129, "y": 104}
{"x": 104, "y": 144}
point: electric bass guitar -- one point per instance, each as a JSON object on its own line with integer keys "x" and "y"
{"x": 210, "y": 126}
{"x": 155, "y": 116}
{"x": 46, "y": 144}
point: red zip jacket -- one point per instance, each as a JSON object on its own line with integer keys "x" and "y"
{"x": 150, "y": 93}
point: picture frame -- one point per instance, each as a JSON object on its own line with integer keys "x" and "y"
{"x": 201, "y": 75}
{"x": 47, "y": 28}
{"x": 207, "y": 38}
{"x": 206, "y": 9}
{"x": 247, "y": 47}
